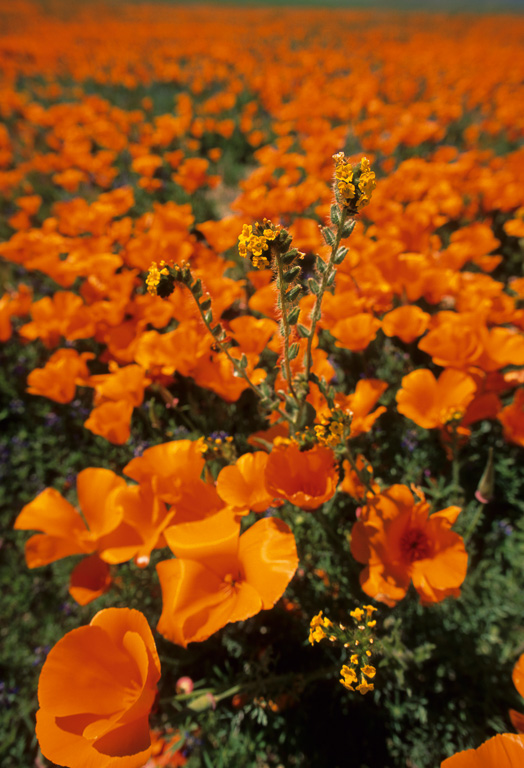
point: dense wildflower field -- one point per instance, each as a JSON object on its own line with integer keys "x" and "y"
{"x": 262, "y": 387}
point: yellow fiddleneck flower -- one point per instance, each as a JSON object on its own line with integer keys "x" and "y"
{"x": 154, "y": 275}
{"x": 368, "y": 670}
{"x": 348, "y": 678}
{"x": 364, "y": 687}
{"x": 357, "y": 614}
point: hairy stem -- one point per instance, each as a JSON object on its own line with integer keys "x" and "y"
{"x": 285, "y": 324}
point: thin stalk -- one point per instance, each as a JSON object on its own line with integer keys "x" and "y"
{"x": 458, "y": 494}
{"x": 282, "y": 290}
{"x": 471, "y": 527}
{"x": 315, "y": 315}
{"x": 364, "y": 480}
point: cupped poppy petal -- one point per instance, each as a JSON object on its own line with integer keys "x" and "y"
{"x": 89, "y": 579}
{"x": 96, "y": 689}
{"x": 70, "y": 686}
{"x": 518, "y": 675}
{"x": 238, "y": 602}
{"x": 63, "y": 744}
{"x": 52, "y": 514}
{"x": 117, "y": 622}
{"x": 120, "y": 545}
{"x": 382, "y": 587}
{"x": 190, "y": 591}
{"x": 242, "y": 485}
{"x": 268, "y": 556}
{"x": 42, "y": 549}
{"x": 196, "y": 501}
{"x": 213, "y": 541}
{"x": 417, "y": 398}
{"x": 164, "y": 467}
{"x": 517, "y": 720}
{"x": 305, "y": 478}
{"x": 94, "y": 486}
{"x": 132, "y": 738}
{"x": 505, "y": 750}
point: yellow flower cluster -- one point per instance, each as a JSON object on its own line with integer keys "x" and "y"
{"x": 355, "y": 675}
{"x": 355, "y": 184}
{"x": 362, "y": 645}
{"x": 154, "y": 275}
{"x": 317, "y": 628}
{"x": 333, "y": 429}
{"x": 256, "y": 243}
{"x": 350, "y": 677}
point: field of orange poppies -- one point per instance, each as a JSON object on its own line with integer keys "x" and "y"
{"x": 262, "y": 387}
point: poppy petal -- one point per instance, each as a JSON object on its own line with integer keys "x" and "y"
{"x": 268, "y": 554}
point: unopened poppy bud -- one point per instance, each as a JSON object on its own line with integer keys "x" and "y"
{"x": 201, "y": 703}
{"x": 184, "y": 685}
{"x": 484, "y": 492}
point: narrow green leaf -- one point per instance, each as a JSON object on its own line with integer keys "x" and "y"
{"x": 293, "y": 315}
{"x": 335, "y": 214}
{"x": 293, "y": 351}
{"x": 314, "y": 287}
{"x": 329, "y": 236}
{"x": 303, "y": 331}
{"x": 293, "y": 293}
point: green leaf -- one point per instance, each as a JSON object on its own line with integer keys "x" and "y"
{"x": 294, "y": 349}
{"x": 348, "y": 228}
{"x": 303, "y": 331}
{"x": 329, "y": 236}
{"x": 292, "y": 274}
{"x": 314, "y": 287}
{"x": 293, "y": 315}
{"x": 196, "y": 288}
{"x": 335, "y": 214}
{"x": 320, "y": 265}
{"x": 340, "y": 254}
{"x": 293, "y": 293}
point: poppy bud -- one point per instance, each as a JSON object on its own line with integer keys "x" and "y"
{"x": 184, "y": 685}
{"x": 484, "y": 492}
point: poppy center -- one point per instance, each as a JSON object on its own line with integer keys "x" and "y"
{"x": 231, "y": 582}
{"x": 415, "y": 545}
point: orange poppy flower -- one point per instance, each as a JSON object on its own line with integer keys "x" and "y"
{"x": 6, "y": 328}
{"x": 401, "y": 542}
{"x": 512, "y": 419}
{"x": 89, "y": 579}
{"x": 305, "y": 478}
{"x": 64, "y": 531}
{"x": 219, "y": 577}
{"x": 60, "y": 376}
{"x": 144, "y": 518}
{"x": 168, "y": 467}
{"x": 356, "y": 332}
{"x": 432, "y": 403}
{"x": 505, "y": 750}
{"x": 111, "y": 420}
{"x": 517, "y": 718}
{"x": 359, "y": 404}
{"x": 96, "y": 690}
{"x": 243, "y": 484}
{"x": 408, "y": 323}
